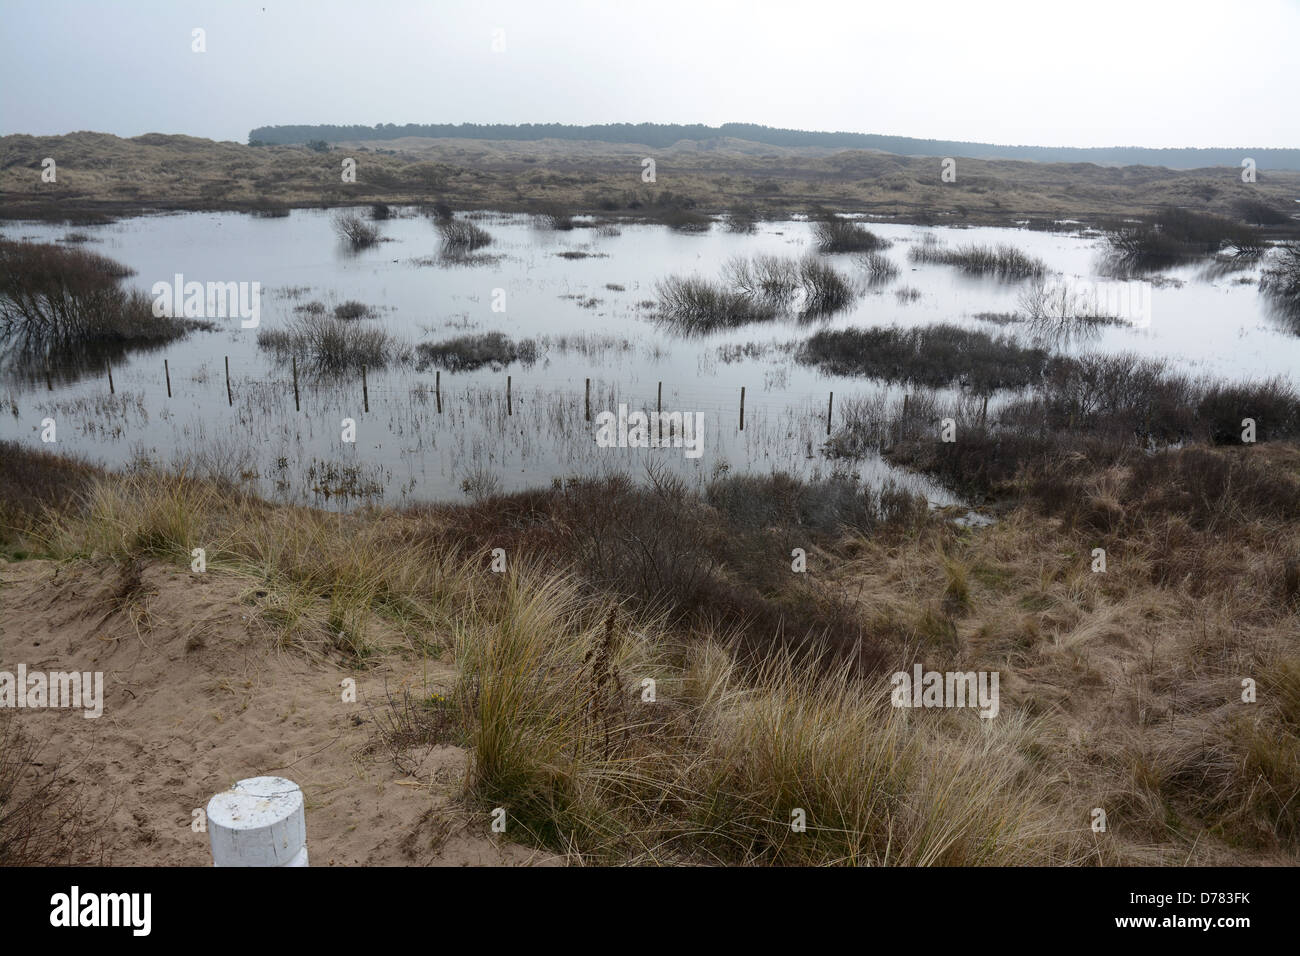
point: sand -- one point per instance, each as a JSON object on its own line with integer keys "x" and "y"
{"x": 198, "y": 694}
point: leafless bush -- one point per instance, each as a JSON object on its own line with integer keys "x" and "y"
{"x": 355, "y": 231}
{"x": 58, "y": 298}
{"x": 460, "y": 235}
{"x": 45, "y": 819}
{"x": 1003, "y": 261}
{"x": 879, "y": 267}
{"x": 331, "y": 345}
{"x": 840, "y": 235}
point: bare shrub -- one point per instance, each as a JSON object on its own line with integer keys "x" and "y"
{"x": 330, "y": 345}
{"x": 462, "y": 235}
{"x": 834, "y": 234}
{"x": 468, "y": 352}
{"x": 879, "y": 267}
{"x": 354, "y": 230}
{"x": 556, "y": 217}
{"x": 934, "y": 355}
{"x": 352, "y": 309}
{"x": 694, "y": 304}
{"x": 54, "y": 298}
{"x": 1281, "y": 277}
{"x": 1003, "y": 261}
{"x": 45, "y": 819}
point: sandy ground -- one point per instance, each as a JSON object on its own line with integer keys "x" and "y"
{"x": 197, "y": 695}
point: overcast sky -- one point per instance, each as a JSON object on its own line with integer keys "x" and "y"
{"x": 1094, "y": 73}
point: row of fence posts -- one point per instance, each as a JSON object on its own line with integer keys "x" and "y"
{"x": 437, "y": 392}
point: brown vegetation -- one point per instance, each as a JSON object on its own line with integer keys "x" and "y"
{"x": 1120, "y": 690}
{"x": 602, "y": 179}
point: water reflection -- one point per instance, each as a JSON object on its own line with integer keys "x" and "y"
{"x": 595, "y": 323}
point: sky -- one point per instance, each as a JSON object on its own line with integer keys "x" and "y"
{"x": 1044, "y": 73}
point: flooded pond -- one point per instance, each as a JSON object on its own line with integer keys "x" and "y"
{"x": 585, "y": 299}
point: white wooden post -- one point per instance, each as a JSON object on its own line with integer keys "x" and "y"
{"x": 258, "y": 822}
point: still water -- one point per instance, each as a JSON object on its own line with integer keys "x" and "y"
{"x": 593, "y": 318}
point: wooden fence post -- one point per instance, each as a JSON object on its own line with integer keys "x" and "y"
{"x": 659, "y": 413}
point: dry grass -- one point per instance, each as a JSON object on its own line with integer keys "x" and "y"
{"x": 1003, "y": 261}
{"x": 1119, "y": 690}
{"x": 102, "y": 175}
{"x": 332, "y": 344}
{"x": 44, "y": 820}
{"x": 714, "y": 769}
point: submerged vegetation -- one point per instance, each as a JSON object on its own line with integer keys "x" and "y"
{"x": 693, "y": 304}
{"x": 770, "y": 686}
{"x": 330, "y": 344}
{"x": 754, "y": 290}
{"x": 461, "y": 235}
{"x": 833, "y": 234}
{"x": 935, "y": 356}
{"x": 1281, "y": 279}
{"x": 56, "y": 300}
{"x": 556, "y": 217}
{"x": 1002, "y": 262}
{"x": 1105, "y": 408}
{"x": 1058, "y": 311}
{"x": 355, "y": 231}
{"x": 1173, "y": 236}
{"x": 880, "y": 269}
{"x": 468, "y": 352}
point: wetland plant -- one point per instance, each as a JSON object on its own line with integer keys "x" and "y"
{"x": 1280, "y": 280}
{"x": 754, "y": 290}
{"x": 683, "y": 220}
{"x": 1174, "y": 236}
{"x": 555, "y": 217}
{"x": 825, "y": 290}
{"x": 879, "y": 267}
{"x": 468, "y": 352}
{"x": 329, "y": 345}
{"x": 1002, "y": 261}
{"x": 694, "y": 304}
{"x": 352, "y": 309}
{"x": 355, "y": 231}
{"x": 934, "y": 356}
{"x": 1060, "y": 311}
{"x": 742, "y": 219}
{"x": 834, "y": 234}
{"x": 461, "y": 235}
{"x": 57, "y": 298}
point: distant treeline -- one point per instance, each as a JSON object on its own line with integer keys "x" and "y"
{"x": 662, "y": 135}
